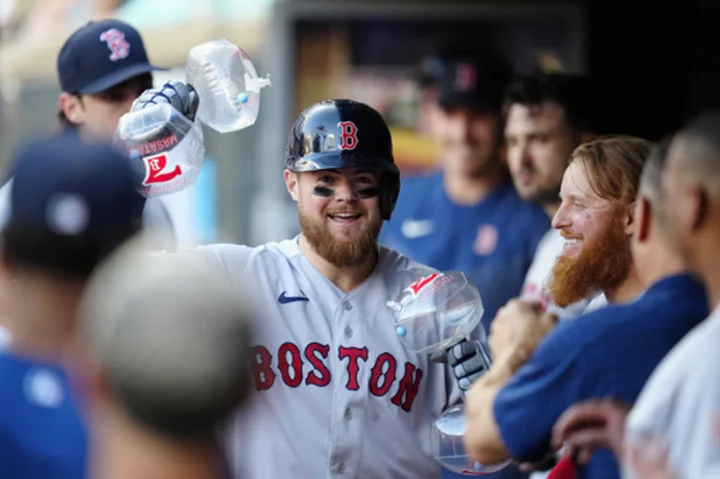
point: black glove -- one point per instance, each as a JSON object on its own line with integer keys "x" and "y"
{"x": 181, "y": 96}
{"x": 469, "y": 360}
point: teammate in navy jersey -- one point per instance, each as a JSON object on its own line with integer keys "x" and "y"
{"x": 467, "y": 215}
{"x": 71, "y": 204}
{"x": 594, "y": 356}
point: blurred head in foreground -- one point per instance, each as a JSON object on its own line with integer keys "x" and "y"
{"x": 162, "y": 354}
{"x": 71, "y": 204}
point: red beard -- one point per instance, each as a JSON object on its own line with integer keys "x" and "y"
{"x": 603, "y": 264}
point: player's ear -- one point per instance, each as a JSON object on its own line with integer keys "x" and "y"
{"x": 87, "y": 375}
{"x": 293, "y": 184}
{"x": 696, "y": 208}
{"x": 71, "y": 106}
{"x": 630, "y": 219}
{"x": 643, "y": 219}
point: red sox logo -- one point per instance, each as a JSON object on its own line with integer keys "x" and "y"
{"x": 348, "y": 135}
{"x": 115, "y": 39}
{"x": 465, "y": 77}
{"x": 486, "y": 240}
{"x": 421, "y": 283}
{"x": 155, "y": 166}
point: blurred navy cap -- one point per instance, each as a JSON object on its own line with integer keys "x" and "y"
{"x": 474, "y": 80}
{"x": 100, "y": 55}
{"x": 72, "y": 188}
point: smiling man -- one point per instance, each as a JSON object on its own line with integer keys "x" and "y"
{"x": 547, "y": 116}
{"x": 338, "y": 391}
{"x": 466, "y": 214}
{"x": 511, "y": 410}
{"x": 595, "y": 218}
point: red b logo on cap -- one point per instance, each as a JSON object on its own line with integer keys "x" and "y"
{"x": 115, "y": 39}
{"x": 465, "y": 77}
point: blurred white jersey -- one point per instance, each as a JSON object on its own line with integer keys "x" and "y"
{"x": 598, "y": 301}
{"x": 536, "y": 281}
{"x": 680, "y": 403}
{"x": 338, "y": 394}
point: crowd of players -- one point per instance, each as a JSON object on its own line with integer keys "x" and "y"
{"x": 594, "y": 255}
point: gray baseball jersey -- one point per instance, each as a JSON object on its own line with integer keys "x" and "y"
{"x": 338, "y": 393}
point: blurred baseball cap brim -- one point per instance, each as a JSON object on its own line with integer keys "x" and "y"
{"x": 119, "y": 76}
{"x": 473, "y": 101}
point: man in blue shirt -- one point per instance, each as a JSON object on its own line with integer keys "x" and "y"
{"x": 467, "y": 216}
{"x": 610, "y": 352}
{"x": 70, "y": 205}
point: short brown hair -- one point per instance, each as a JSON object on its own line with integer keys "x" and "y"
{"x": 613, "y": 165}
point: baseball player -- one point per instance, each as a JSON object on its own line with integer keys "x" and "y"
{"x": 467, "y": 216}
{"x": 176, "y": 375}
{"x": 338, "y": 393}
{"x": 72, "y": 204}
{"x": 513, "y": 411}
{"x": 546, "y": 118}
{"x": 102, "y": 69}
{"x": 679, "y": 404}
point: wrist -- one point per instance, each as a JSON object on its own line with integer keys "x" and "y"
{"x": 510, "y": 360}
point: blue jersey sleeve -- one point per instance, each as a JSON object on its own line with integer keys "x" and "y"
{"x": 527, "y": 408}
{"x": 7, "y": 455}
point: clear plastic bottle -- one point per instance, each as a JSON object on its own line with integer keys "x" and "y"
{"x": 448, "y": 442}
{"x": 227, "y": 84}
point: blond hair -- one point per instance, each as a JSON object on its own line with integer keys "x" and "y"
{"x": 613, "y": 165}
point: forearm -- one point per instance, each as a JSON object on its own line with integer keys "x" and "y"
{"x": 482, "y": 437}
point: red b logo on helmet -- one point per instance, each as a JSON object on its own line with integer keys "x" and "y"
{"x": 348, "y": 135}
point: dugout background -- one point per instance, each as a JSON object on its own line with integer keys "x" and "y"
{"x": 656, "y": 67}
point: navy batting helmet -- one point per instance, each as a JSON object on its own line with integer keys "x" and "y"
{"x": 345, "y": 134}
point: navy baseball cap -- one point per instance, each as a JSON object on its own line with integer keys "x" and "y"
{"x": 100, "y": 55}
{"x": 474, "y": 81}
{"x": 71, "y": 188}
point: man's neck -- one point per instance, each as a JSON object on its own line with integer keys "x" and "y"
{"x": 659, "y": 262}
{"x": 347, "y": 278}
{"x": 124, "y": 450}
{"x": 627, "y": 291}
{"x": 470, "y": 190}
{"x": 42, "y": 317}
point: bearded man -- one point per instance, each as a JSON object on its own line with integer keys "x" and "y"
{"x": 540, "y": 369}
{"x": 338, "y": 392}
{"x": 596, "y": 219}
